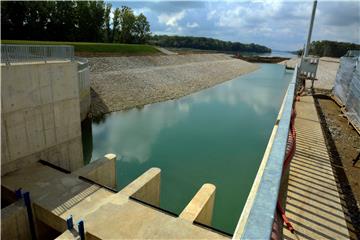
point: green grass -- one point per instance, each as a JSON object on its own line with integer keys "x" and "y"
{"x": 89, "y": 47}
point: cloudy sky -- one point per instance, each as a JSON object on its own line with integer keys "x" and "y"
{"x": 280, "y": 25}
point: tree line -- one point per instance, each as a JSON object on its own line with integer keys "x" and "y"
{"x": 327, "y": 48}
{"x": 205, "y": 44}
{"x": 75, "y": 21}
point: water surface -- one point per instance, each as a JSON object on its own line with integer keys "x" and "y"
{"x": 214, "y": 136}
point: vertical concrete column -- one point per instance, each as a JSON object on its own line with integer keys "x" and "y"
{"x": 101, "y": 171}
{"x": 145, "y": 188}
{"x": 110, "y": 174}
{"x": 200, "y": 208}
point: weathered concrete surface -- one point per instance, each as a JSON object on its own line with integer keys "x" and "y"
{"x": 14, "y": 222}
{"x": 200, "y": 208}
{"x": 107, "y": 215}
{"x": 84, "y": 92}
{"x": 69, "y": 235}
{"x": 145, "y": 188}
{"x": 40, "y": 115}
{"x": 313, "y": 203}
{"x": 102, "y": 171}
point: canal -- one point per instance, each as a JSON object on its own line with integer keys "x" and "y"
{"x": 216, "y": 136}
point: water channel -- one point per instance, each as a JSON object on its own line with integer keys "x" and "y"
{"x": 216, "y": 136}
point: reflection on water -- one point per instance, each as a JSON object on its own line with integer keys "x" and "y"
{"x": 217, "y": 135}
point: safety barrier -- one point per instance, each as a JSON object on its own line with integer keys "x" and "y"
{"x": 260, "y": 211}
{"x": 14, "y": 53}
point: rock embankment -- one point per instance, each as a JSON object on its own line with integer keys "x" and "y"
{"x": 120, "y": 83}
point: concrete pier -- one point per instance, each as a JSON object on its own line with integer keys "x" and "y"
{"x": 106, "y": 214}
{"x": 313, "y": 203}
{"x": 102, "y": 171}
{"x": 200, "y": 208}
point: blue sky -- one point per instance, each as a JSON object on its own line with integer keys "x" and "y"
{"x": 280, "y": 25}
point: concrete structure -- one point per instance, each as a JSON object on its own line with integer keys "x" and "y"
{"x": 101, "y": 171}
{"x": 200, "y": 209}
{"x": 14, "y": 222}
{"x": 40, "y": 115}
{"x": 106, "y": 214}
{"x": 84, "y": 87}
{"x": 313, "y": 203}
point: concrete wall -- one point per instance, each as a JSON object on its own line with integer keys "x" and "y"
{"x": 14, "y": 222}
{"x": 84, "y": 90}
{"x": 40, "y": 115}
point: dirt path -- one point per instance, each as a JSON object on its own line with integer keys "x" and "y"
{"x": 120, "y": 83}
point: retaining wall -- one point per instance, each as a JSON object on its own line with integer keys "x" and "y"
{"x": 40, "y": 115}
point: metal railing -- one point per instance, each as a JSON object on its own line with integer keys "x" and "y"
{"x": 82, "y": 63}
{"x": 256, "y": 221}
{"x": 13, "y": 53}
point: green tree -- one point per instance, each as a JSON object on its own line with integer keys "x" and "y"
{"x": 116, "y": 25}
{"x": 107, "y": 19}
{"x": 127, "y": 23}
{"x": 141, "y": 29}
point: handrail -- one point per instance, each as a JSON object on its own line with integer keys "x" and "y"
{"x": 14, "y": 53}
{"x": 258, "y": 221}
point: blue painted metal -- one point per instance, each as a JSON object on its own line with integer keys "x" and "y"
{"x": 261, "y": 217}
{"x": 27, "y": 202}
{"x": 18, "y": 194}
{"x": 69, "y": 222}
{"x": 81, "y": 229}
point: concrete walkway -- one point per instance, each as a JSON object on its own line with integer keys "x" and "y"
{"x": 313, "y": 204}
{"x": 165, "y": 51}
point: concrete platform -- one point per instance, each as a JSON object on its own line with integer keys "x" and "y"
{"x": 313, "y": 203}
{"x": 107, "y": 215}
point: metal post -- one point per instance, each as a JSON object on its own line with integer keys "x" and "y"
{"x": 18, "y": 194}
{"x": 81, "y": 229}
{"x": 69, "y": 222}
{"x": 27, "y": 201}
{"x": 310, "y": 29}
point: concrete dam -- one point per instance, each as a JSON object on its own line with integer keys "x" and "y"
{"x": 50, "y": 191}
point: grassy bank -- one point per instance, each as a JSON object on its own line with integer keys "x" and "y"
{"x": 84, "y": 48}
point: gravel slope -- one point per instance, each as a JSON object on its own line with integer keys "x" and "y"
{"x": 120, "y": 83}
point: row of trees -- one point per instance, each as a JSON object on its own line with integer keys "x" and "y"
{"x": 86, "y": 21}
{"x": 330, "y": 48}
{"x": 206, "y": 44}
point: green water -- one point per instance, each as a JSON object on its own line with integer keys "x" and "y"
{"x": 214, "y": 136}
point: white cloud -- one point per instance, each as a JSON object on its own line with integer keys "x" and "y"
{"x": 192, "y": 25}
{"x": 144, "y": 10}
{"x": 278, "y": 24}
{"x": 211, "y": 14}
{"x": 171, "y": 19}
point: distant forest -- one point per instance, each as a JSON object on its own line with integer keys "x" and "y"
{"x": 75, "y": 21}
{"x": 94, "y": 21}
{"x": 330, "y": 48}
{"x": 205, "y": 44}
